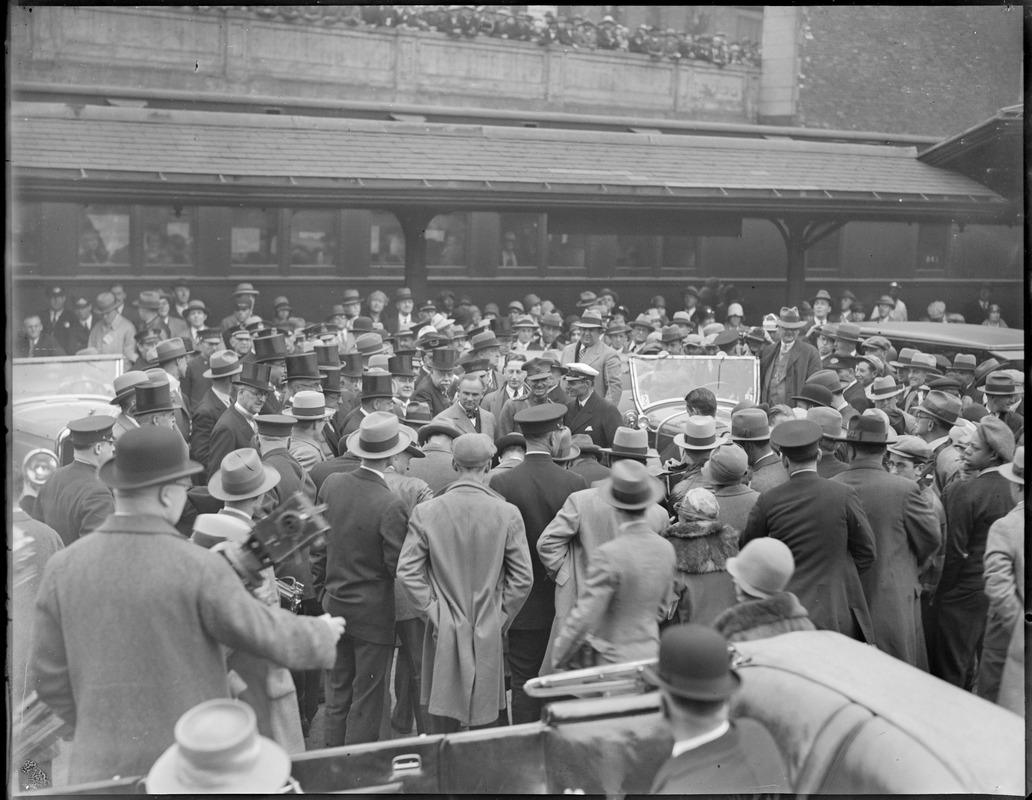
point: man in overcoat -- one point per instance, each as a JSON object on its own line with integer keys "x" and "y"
{"x": 353, "y": 574}
{"x": 826, "y": 529}
{"x": 593, "y": 351}
{"x": 906, "y": 533}
{"x": 121, "y": 661}
{"x": 750, "y": 430}
{"x": 466, "y": 568}
{"x": 538, "y": 488}
{"x": 236, "y": 427}
{"x": 785, "y": 365}
{"x": 222, "y": 367}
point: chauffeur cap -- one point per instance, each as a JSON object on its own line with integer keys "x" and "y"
{"x": 537, "y": 420}
{"x": 693, "y": 663}
{"x": 275, "y": 425}
{"x": 90, "y": 430}
{"x": 148, "y": 456}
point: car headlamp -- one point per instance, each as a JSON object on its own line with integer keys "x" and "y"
{"x": 38, "y": 466}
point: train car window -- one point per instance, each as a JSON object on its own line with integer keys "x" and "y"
{"x": 679, "y": 253}
{"x": 386, "y": 240}
{"x": 25, "y": 233}
{"x": 518, "y": 246}
{"x": 167, "y": 236}
{"x": 254, "y": 236}
{"x": 104, "y": 234}
{"x": 447, "y": 240}
{"x": 637, "y": 253}
{"x": 313, "y": 238}
{"x": 567, "y": 250}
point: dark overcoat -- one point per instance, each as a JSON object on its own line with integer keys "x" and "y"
{"x": 232, "y": 431}
{"x": 73, "y": 501}
{"x": 597, "y": 417}
{"x": 202, "y": 424}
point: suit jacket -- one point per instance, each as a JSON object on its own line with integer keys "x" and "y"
{"x": 854, "y": 395}
{"x": 628, "y": 590}
{"x": 123, "y": 660}
{"x": 803, "y": 361}
{"x": 609, "y": 381}
{"x": 497, "y": 400}
{"x": 538, "y": 488}
{"x": 231, "y": 432}
{"x": 432, "y": 396}
{"x": 353, "y": 570}
{"x": 64, "y": 321}
{"x": 73, "y": 336}
{"x": 767, "y": 473}
{"x": 202, "y": 425}
{"x": 906, "y": 533}
{"x": 348, "y": 462}
{"x": 597, "y": 417}
{"x": 73, "y": 501}
{"x": 46, "y": 346}
{"x": 745, "y": 760}
{"x": 457, "y": 417}
{"x": 827, "y": 530}
{"x": 436, "y": 468}
{"x": 829, "y": 466}
{"x": 193, "y": 384}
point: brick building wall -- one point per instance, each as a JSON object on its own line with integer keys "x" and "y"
{"x": 908, "y": 69}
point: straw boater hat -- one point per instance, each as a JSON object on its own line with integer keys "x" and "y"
{"x": 630, "y": 443}
{"x": 223, "y": 364}
{"x": 218, "y": 750}
{"x": 700, "y": 433}
{"x": 308, "y": 406}
{"x": 380, "y": 435}
{"x": 882, "y": 388}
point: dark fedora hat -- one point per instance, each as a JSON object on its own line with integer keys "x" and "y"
{"x": 867, "y": 430}
{"x": 303, "y": 366}
{"x": 148, "y": 300}
{"x": 417, "y": 414}
{"x": 270, "y": 347}
{"x": 694, "y": 663}
{"x": 377, "y": 383}
{"x": 257, "y": 376}
{"x": 148, "y": 456}
{"x": 483, "y": 341}
{"x": 152, "y": 397}
{"x": 630, "y": 487}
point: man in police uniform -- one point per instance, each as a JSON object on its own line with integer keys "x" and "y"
{"x": 73, "y": 502}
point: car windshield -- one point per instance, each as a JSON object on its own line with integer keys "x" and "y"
{"x": 80, "y": 375}
{"x": 658, "y": 379}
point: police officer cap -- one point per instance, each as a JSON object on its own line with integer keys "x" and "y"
{"x": 540, "y": 419}
{"x": 798, "y": 436}
{"x": 274, "y": 424}
{"x": 90, "y": 430}
{"x": 578, "y": 370}
{"x": 472, "y": 450}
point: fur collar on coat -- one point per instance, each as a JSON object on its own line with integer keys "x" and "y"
{"x": 702, "y": 545}
{"x": 760, "y": 619}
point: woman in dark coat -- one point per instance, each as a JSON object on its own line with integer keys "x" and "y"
{"x": 702, "y": 545}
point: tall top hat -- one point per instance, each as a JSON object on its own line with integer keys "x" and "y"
{"x": 269, "y": 348}
{"x": 326, "y": 355}
{"x": 152, "y": 397}
{"x": 257, "y": 376}
{"x": 444, "y": 358}
{"x": 377, "y": 383}
{"x": 303, "y": 366}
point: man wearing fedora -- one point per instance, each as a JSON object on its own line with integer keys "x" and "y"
{"x": 884, "y": 394}
{"x": 307, "y": 443}
{"x": 694, "y": 445}
{"x": 587, "y": 411}
{"x": 760, "y": 572}
{"x": 587, "y": 463}
{"x": 827, "y": 530}
{"x": 236, "y": 427}
{"x": 786, "y": 364}
{"x": 402, "y": 316}
{"x": 1003, "y": 650}
{"x": 972, "y": 506}
{"x": 444, "y": 361}
{"x": 73, "y": 501}
{"x": 833, "y": 460}
{"x": 551, "y": 332}
{"x": 222, "y": 366}
{"x": 120, "y": 661}
{"x": 933, "y": 419}
{"x": 125, "y": 399}
{"x": 193, "y": 383}
{"x": 906, "y": 534}
{"x": 629, "y": 585}
{"x": 582, "y": 525}
{"x": 172, "y": 355}
{"x": 112, "y": 333}
{"x": 244, "y": 296}
{"x": 467, "y": 612}
{"x": 750, "y": 430}
{"x": 712, "y": 754}
{"x": 591, "y": 350}
{"x": 465, "y": 413}
{"x": 538, "y": 488}
{"x": 353, "y": 575}
{"x": 1002, "y": 396}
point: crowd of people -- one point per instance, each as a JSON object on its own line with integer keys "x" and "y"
{"x": 492, "y": 517}
{"x": 499, "y": 22}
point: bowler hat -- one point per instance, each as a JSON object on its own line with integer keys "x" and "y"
{"x": 815, "y": 394}
{"x": 727, "y": 464}
{"x": 380, "y": 435}
{"x": 1015, "y": 471}
{"x": 536, "y": 420}
{"x": 1000, "y": 383}
{"x": 630, "y": 487}
{"x": 308, "y": 405}
{"x": 361, "y": 325}
{"x": 269, "y": 348}
{"x": 700, "y": 433}
{"x": 591, "y": 319}
{"x": 377, "y": 383}
{"x": 750, "y": 425}
{"x": 884, "y": 387}
{"x": 152, "y": 397}
{"x": 763, "y": 567}
{"x": 693, "y": 663}
{"x": 223, "y": 364}
{"x": 867, "y": 430}
{"x": 472, "y": 450}
{"x": 257, "y": 376}
{"x": 630, "y": 443}
{"x": 789, "y": 318}
{"x": 125, "y": 384}
{"x": 586, "y": 300}
{"x": 303, "y": 366}
{"x": 218, "y": 749}
{"x": 568, "y": 451}
{"x": 944, "y": 407}
{"x": 90, "y": 430}
{"x": 148, "y": 456}
{"x": 242, "y": 475}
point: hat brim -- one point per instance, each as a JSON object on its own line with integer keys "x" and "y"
{"x": 792, "y": 325}
{"x": 110, "y": 475}
{"x": 680, "y": 441}
{"x": 640, "y": 457}
{"x": 655, "y": 495}
{"x": 885, "y": 396}
{"x": 268, "y": 773}
{"x": 405, "y": 438}
{"x": 575, "y": 452}
{"x": 720, "y": 691}
{"x": 212, "y": 376}
{"x": 1014, "y": 391}
{"x": 218, "y": 490}
{"x": 809, "y": 400}
{"x": 731, "y": 565}
{"x": 326, "y": 414}
{"x": 1007, "y": 471}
